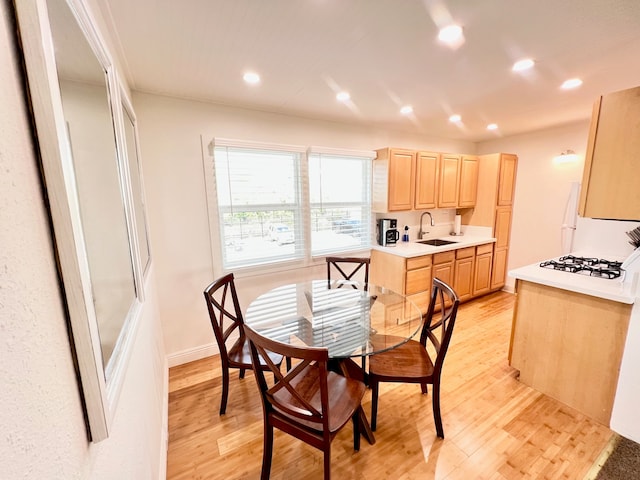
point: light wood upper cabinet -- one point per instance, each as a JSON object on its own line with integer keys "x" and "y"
{"x": 507, "y": 180}
{"x": 426, "y": 180}
{"x": 468, "y": 190}
{"x": 449, "y": 181}
{"x": 393, "y": 180}
{"x": 612, "y": 169}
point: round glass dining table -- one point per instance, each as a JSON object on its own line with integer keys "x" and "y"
{"x": 349, "y": 322}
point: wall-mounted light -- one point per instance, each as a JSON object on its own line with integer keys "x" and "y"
{"x": 566, "y": 156}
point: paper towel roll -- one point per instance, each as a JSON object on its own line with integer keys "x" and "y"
{"x": 456, "y": 224}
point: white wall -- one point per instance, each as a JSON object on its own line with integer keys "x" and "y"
{"x": 43, "y": 430}
{"x": 542, "y": 189}
{"x": 170, "y": 140}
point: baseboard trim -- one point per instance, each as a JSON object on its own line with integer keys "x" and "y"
{"x": 164, "y": 437}
{"x": 192, "y": 354}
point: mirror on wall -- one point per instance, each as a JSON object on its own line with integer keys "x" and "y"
{"x": 87, "y": 112}
{"x": 90, "y": 164}
{"x": 137, "y": 189}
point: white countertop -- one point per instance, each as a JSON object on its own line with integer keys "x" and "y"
{"x": 611, "y": 289}
{"x": 415, "y": 249}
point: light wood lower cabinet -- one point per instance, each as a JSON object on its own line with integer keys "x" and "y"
{"x": 482, "y": 272}
{"x": 463, "y": 272}
{"x": 443, "y": 264}
{"x": 569, "y": 346}
{"x": 467, "y": 270}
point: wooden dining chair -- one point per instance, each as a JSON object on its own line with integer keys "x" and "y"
{"x": 348, "y": 267}
{"x": 308, "y": 402}
{"x": 411, "y": 362}
{"x": 228, "y": 327}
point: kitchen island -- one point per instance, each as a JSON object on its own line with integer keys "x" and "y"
{"x": 568, "y": 336}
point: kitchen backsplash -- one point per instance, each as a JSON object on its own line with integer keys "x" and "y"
{"x": 443, "y": 219}
{"x": 603, "y": 238}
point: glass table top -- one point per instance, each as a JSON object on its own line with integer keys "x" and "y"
{"x": 349, "y": 322}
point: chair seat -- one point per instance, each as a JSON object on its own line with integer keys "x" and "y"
{"x": 240, "y": 355}
{"x": 408, "y": 363}
{"x": 345, "y": 395}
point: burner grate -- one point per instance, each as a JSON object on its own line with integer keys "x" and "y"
{"x": 595, "y": 267}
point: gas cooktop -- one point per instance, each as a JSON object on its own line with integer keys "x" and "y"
{"x": 595, "y": 267}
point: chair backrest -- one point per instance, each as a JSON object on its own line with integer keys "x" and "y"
{"x": 291, "y": 391}
{"x": 352, "y": 265}
{"x": 439, "y": 320}
{"x": 224, "y": 311}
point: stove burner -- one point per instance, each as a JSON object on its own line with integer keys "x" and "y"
{"x": 595, "y": 267}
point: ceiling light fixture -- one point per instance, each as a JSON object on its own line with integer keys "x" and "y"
{"x": 343, "y": 96}
{"x": 451, "y": 35}
{"x": 522, "y": 65}
{"x": 455, "y": 118}
{"x": 492, "y": 126}
{"x": 406, "y": 110}
{"x": 571, "y": 83}
{"x": 251, "y": 78}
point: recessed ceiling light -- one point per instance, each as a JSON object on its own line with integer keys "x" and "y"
{"x": 451, "y": 35}
{"x": 492, "y": 126}
{"x": 343, "y": 96}
{"x": 406, "y": 110}
{"x": 522, "y": 65}
{"x": 571, "y": 83}
{"x": 251, "y": 78}
{"x": 455, "y": 118}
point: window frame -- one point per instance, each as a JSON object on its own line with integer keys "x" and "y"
{"x": 308, "y": 258}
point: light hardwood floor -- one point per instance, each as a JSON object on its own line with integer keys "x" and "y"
{"x": 495, "y": 427}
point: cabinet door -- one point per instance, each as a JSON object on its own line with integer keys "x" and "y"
{"x": 611, "y": 174}
{"x": 426, "y": 180}
{"x": 444, "y": 272}
{"x": 449, "y": 181}
{"x": 502, "y": 227}
{"x": 507, "y": 181}
{"x": 468, "y": 191}
{"x": 499, "y": 272}
{"x": 463, "y": 275}
{"x": 401, "y": 185}
{"x": 418, "y": 280}
{"x": 482, "y": 274}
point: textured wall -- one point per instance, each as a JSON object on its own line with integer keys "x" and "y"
{"x": 43, "y": 433}
{"x": 42, "y": 430}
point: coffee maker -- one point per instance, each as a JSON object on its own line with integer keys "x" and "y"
{"x": 388, "y": 233}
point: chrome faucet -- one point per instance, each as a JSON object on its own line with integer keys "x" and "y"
{"x": 422, "y": 232}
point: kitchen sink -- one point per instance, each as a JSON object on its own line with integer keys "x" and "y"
{"x": 436, "y": 242}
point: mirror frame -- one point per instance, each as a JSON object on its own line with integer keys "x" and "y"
{"x": 100, "y": 386}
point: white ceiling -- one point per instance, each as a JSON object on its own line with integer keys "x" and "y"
{"x": 386, "y": 54}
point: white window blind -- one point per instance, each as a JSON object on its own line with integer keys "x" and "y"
{"x": 340, "y": 200}
{"x": 259, "y": 198}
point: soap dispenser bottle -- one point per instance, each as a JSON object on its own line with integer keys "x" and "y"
{"x": 405, "y": 236}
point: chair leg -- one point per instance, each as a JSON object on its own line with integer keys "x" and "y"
{"x": 288, "y": 360}
{"x": 424, "y": 388}
{"x": 356, "y": 431}
{"x": 242, "y": 373}
{"x": 436, "y": 408}
{"x": 225, "y": 391}
{"x": 374, "y": 403}
{"x": 327, "y": 462}
{"x": 267, "y": 451}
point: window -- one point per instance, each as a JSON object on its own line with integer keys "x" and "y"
{"x": 259, "y": 204}
{"x": 273, "y": 203}
{"x": 340, "y": 202}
